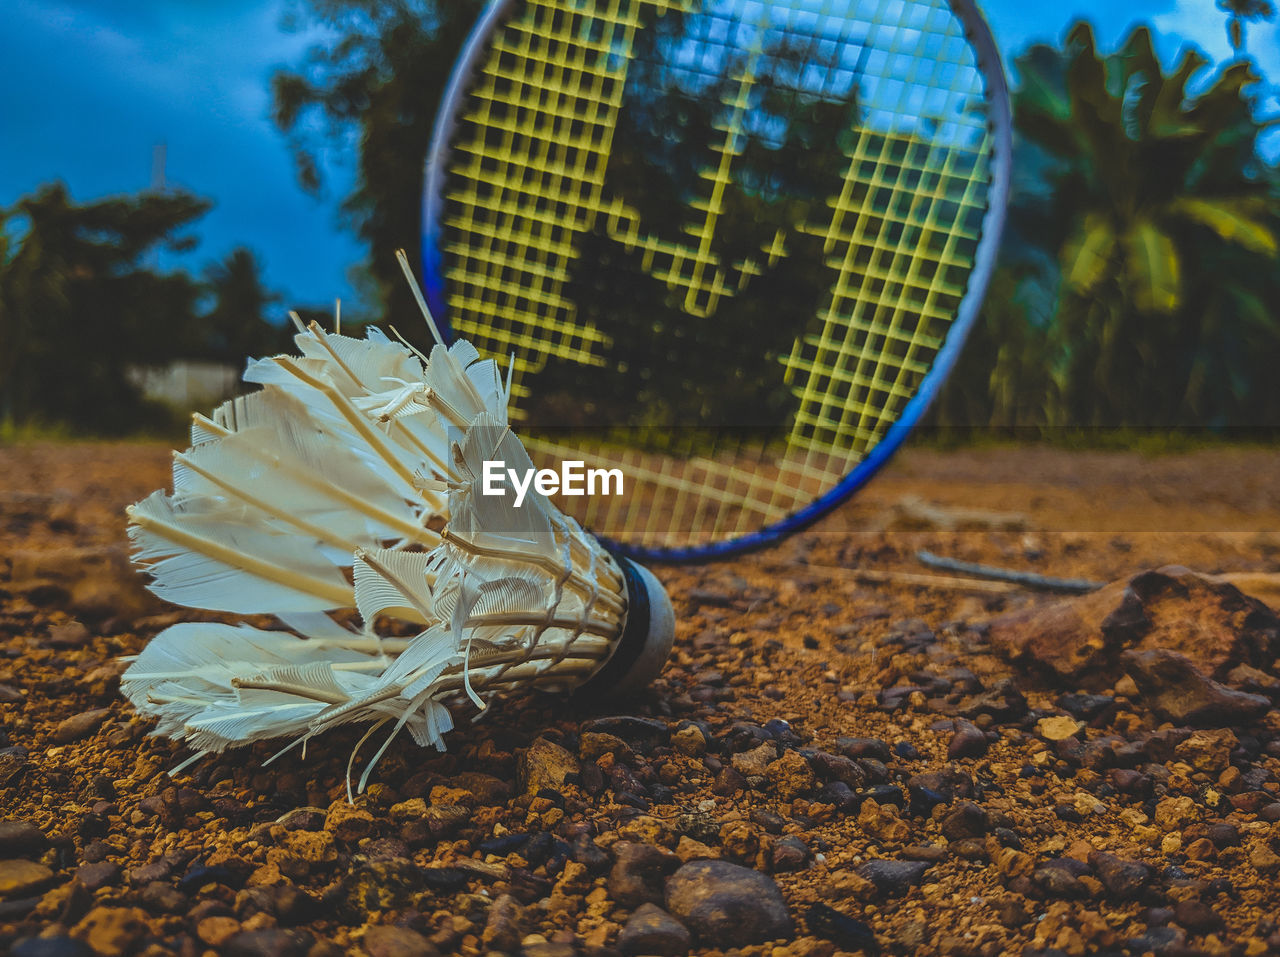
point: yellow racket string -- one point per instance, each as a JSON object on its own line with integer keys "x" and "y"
{"x": 898, "y": 238}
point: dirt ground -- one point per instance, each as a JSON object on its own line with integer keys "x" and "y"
{"x": 837, "y": 719}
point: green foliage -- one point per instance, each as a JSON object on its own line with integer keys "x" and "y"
{"x": 82, "y": 301}
{"x": 375, "y": 87}
{"x": 80, "y": 305}
{"x": 1157, "y": 229}
{"x": 237, "y": 325}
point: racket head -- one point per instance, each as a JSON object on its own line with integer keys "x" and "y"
{"x": 504, "y": 260}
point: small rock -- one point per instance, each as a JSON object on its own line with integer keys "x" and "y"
{"x": 1179, "y": 692}
{"x": 1208, "y": 750}
{"x": 385, "y": 940}
{"x": 967, "y": 742}
{"x": 544, "y": 765}
{"x": 51, "y": 947}
{"x": 1124, "y": 879}
{"x": 1058, "y": 728}
{"x": 690, "y": 741}
{"x": 755, "y": 762}
{"x": 643, "y": 734}
{"x": 19, "y": 838}
{"x": 845, "y": 932}
{"x": 893, "y": 878}
{"x": 639, "y": 873}
{"x": 270, "y": 942}
{"x": 159, "y": 896}
{"x": 791, "y": 776}
{"x": 70, "y": 634}
{"x": 502, "y": 927}
{"x": 725, "y": 905}
{"x": 965, "y": 820}
{"x": 865, "y": 748}
{"x": 216, "y": 930}
{"x": 1086, "y": 707}
{"x": 79, "y": 725}
{"x": 19, "y": 878}
{"x": 1223, "y": 834}
{"x": 1058, "y": 878}
{"x": 96, "y": 876}
{"x": 1175, "y": 813}
{"x": 595, "y": 744}
{"x": 651, "y": 930}
{"x": 882, "y": 822}
{"x": 1196, "y": 916}
{"x": 112, "y": 931}
{"x": 788, "y": 854}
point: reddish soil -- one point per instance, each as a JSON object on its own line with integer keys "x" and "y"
{"x": 1012, "y": 822}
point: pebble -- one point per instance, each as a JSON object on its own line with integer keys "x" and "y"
{"x": 643, "y": 734}
{"x": 386, "y": 940}
{"x": 269, "y": 942}
{"x": 639, "y": 873}
{"x": 893, "y": 878}
{"x": 756, "y": 761}
{"x": 502, "y": 928}
{"x": 79, "y": 726}
{"x": 112, "y": 931}
{"x": 1058, "y": 728}
{"x": 845, "y": 932}
{"x": 1196, "y": 916}
{"x": 1207, "y": 751}
{"x": 1124, "y": 879}
{"x": 544, "y": 765}
{"x": 690, "y": 741}
{"x": 58, "y": 946}
{"x": 97, "y": 876}
{"x": 1086, "y": 707}
{"x": 726, "y": 905}
{"x": 788, "y": 854}
{"x": 791, "y": 776}
{"x": 865, "y": 748}
{"x": 216, "y": 930}
{"x": 20, "y": 838}
{"x": 651, "y": 930}
{"x": 1223, "y": 834}
{"x": 18, "y": 878}
{"x": 1059, "y": 878}
{"x": 968, "y": 741}
{"x": 965, "y": 820}
{"x": 1179, "y": 692}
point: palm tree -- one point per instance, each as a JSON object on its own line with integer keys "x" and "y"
{"x": 1147, "y": 187}
{"x": 1240, "y": 11}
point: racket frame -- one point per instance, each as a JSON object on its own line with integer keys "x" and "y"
{"x": 1000, "y": 123}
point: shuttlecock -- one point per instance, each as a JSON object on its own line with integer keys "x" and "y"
{"x": 353, "y": 480}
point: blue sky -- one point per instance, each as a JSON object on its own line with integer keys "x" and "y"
{"x": 89, "y": 87}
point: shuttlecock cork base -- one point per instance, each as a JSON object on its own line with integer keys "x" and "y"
{"x": 646, "y": 639}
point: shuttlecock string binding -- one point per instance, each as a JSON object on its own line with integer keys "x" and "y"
{"x": 352, "y": 481}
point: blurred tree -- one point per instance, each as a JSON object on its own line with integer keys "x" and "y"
{"x": 79, "y": 306}
{"x": 1238, "y": 13}
{"x": 1161, "y": 221}
{"x": 374, "y": 87}
{"x": 237, "y": 325}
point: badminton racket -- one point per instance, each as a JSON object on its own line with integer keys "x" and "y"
{"x": 733, "y": 246}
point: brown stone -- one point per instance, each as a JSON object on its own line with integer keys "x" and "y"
{"x": 1210, "y": 622}
{"x": 1175, "y": 689}
{"x": 545, "y": 765}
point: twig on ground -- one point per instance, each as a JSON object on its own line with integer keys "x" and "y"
{"x": 948, "y": 582}
{"x": 1075, "y": 586}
